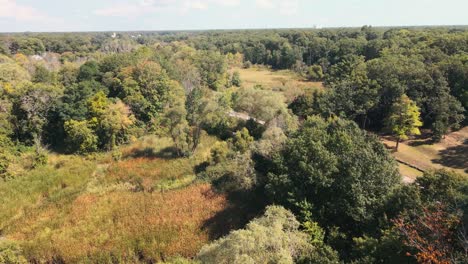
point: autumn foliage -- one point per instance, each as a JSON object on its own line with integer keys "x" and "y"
{"x": 431, "y": 234}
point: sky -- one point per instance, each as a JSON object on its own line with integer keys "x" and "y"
{"x": 127, "y": 15}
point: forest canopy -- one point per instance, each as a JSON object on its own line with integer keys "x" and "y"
{"x": 305, "y": 167}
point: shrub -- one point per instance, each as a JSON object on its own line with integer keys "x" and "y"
{"x": 272, "y": 238}
{"x": 11, "y": 253}
{"x": 315, "y": 73}
{"x": 236, "y": 80}
{"x": 80, "y": 137}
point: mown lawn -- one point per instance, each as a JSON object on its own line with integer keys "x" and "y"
{"x": 451, "y": 153}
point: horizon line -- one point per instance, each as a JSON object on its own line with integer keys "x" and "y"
{"x": 314, "y": 27}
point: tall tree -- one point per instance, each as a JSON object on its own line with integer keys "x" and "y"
{"x": 404, "y": 119}
{"x": 343, "y": 172}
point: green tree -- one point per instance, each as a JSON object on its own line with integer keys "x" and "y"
{"x": 404, "y": 120}
{"x": 113, "y": 124}
{"x": 241, "y": 141}
{"x": 231, "y": 171}
{"x": 75, "y": 99}
{"x": 152, "y": 88}
{"x": 68, "y": 74}
{"x": 353, "y": 94}
{"x": 12, "y": 72}
{"x": 236, "y": 80}
{"x": 212, "y": 67}
{"x": 448, "y": 115}
{"x": 27, "y": 45}
{"x": 271, "y": 142}
{"x": 43, "y": 75}
{"x": 175, "y": 119}
{"x": 32, "y": 108}
{"x": 343, "y": 172}
{"x": 89, "y": 72}
{"x": 196, "y": 106}
{"x": 97, "y": 105}
{"x": 315, "y": 73}
{"x": 273, "y": 238}
{"x": 6, "y": 131}
{"x": 80, "y": 137}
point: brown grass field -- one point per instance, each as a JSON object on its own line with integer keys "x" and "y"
{"x": 285, "y": 81}
{"x": 146, "y": 208}
{"x": 152, "y": 226}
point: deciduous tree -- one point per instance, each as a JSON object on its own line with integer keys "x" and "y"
{"x": 404, "y": 120}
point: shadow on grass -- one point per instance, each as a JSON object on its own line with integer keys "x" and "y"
{"x": 242, "y": 208}
{"x": 416, "y": 143}
{"x": 454, "y": 157}
{"x": 166, "y": 153}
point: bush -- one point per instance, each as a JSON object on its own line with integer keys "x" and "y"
{"x": 40, "y": 158}
{"x": 235, "y": 173}
{"x": 272, "y": 238}
{"x": 315, "y": 73}
{"x": 11, "y": 253}
{"x": 247, "y": 65}
{"x": 236, "y": 80}
{"x": 80, "y": 137}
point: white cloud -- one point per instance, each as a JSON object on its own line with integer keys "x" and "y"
{"x": 205, "y": 4}
{"x": 289, "y": 7}
{"x": 133, "y": 9}
{"x": 120, "y": 10}
{"x": 150, "y": 6}
{"x": 267, "y": 4}
{"x": 11, "y": 9}
{"x": 200, "y": 5}
{"x": 228, "y": 2}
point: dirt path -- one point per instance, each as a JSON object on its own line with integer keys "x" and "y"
{"x": 407, "y": 180}
{"x": 244, "y": 116}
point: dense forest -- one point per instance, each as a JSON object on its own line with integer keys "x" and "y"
{"x": 264, "y": 174}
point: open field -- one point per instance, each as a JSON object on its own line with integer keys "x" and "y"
{"x": 285, "y": 81}
{"x": 147, "y": 207}
{"x": 451, "y": 153}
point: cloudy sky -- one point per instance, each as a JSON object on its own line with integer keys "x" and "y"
{"x": 103, "y": 15}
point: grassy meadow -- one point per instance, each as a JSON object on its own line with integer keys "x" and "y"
{"x": 147, "y": 207}
{"x": 284, "y": 81}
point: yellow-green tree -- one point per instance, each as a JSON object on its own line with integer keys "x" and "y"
{"x": 404, "y": 119}
{"x": 115, "y": 122}
{"x": 81, "y": 138}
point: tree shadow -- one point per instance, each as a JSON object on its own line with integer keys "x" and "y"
{"x": 416, "y": 143}
{"x": 165, "y": 153}
{"x": 454, "y": 157}
{"x": 242, "y": 208}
